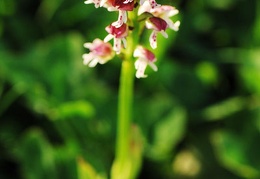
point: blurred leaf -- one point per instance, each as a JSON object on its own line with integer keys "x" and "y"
{"x": 66, "y": 161}
{"x": 168, "y": 132}
{"x": 207, "y": 72}
{"x": 221, "y": 4}
{"x": 86, "y": 171}
{"x": 256, "y": 31}
{"x": 78, "y": 13}
{"x": 49, "y": 74}
{"x": 258, "y": 119}
{"x": 48, "y": 8}
{"x": 80, "y": 108}
{"x": 7, "y": 7}
{"x": 9, "y": 97}
{"x": 238, "y": 153}
{"x": 36, "y": 156}
{"x": 250, "y": 69}
{"x": 225, "y": 108}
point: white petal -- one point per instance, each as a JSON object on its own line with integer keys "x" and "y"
{"x": 142, "y": 1}
{"x": 164, "y": 34}
{"x": 168, "y": 21}
{"x": 102, "y": 2}
{"x": 103, "y": 61}
{"x": 93, "y": 63}
{"x": 145, "y": 7}
{"x": 137, "y": 62}
{"x": 122, "y": 18}
{"x": 88, "y": 45}
{"x": 140, "y": 66}
{"x": 154, "y": 4}
{"x": 124, "y": 42}
{"x": 87, "y": 58}
{"x": 117, "y": 45}
{"x": 153, "y": 66}
{"x": 127, "y": 1}
{"x": 96, "y": 2}
{"x": 111, "y": 8}
{"x": 117, "y": 23}
{"x": 149, "y": 25}
{"x": 173, "y": 12}
{"x": 153, "y": 40}
{"x": 124, "y": 13}
{"x": 89, "y": 2}
{"x": 177, "y": 24}
{"x": 174, "y": 26}
{"x": 139, "y": 52}
{"x": 108, "y": 37}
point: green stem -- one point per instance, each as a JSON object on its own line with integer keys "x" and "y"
{"x": 124, "y": 109}
{"x": 120, "y": 168}
{"x": 123, "y": 166}
{"x": 125, "y": 97}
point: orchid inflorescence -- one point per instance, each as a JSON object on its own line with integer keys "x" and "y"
{"x": 157, "y": 19}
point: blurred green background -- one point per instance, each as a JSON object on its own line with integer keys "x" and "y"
{"x": 199, "y": 114}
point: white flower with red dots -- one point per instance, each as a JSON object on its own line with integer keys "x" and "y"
{"x": 145, "y": 57}
{"x": 157, "y": 25}
{"x": 118, "y": 34}
{"x": 159, "y": 21}
{"x": 121, "y": 6}
{"x": 152, "y": 3}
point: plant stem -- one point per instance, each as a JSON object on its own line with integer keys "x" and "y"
{"x": 122, "y": 166}
{"x": 124, "y": 110}
{"x": 125, "y": 98}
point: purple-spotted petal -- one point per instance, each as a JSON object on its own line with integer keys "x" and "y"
{"x": 96, "y": 2}
{"x": 122, "y": 18}
{"x": 153, "y": 39}
{"x": 117, "y": 45}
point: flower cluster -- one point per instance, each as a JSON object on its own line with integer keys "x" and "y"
{"x": 157, "y": 19}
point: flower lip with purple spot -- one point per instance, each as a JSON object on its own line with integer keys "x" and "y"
{"x": 121, "y": 5}
{"x": 149, "y": 55}
{"x": 159, "y": 24}
{"x": 120, "y": 32}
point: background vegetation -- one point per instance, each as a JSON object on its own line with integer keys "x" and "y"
{"x": 199, "y": 114}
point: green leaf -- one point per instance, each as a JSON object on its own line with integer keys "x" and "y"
{"x": 36, "y": 156}
{"x": 237, "y": 153}
{"x": 86, "y": 171}
{"x": 168, "y": 132}
{"x": 224, "y": 109}
{"x": 82, "y": 109}
{"x": 207, "y": 72}
{"x": 250, "y": 69}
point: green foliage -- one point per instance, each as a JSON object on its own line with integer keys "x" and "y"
{"x": 197, "y": 117}
{"x": 37, "y": 156}
{"x": 173, "y": 124}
